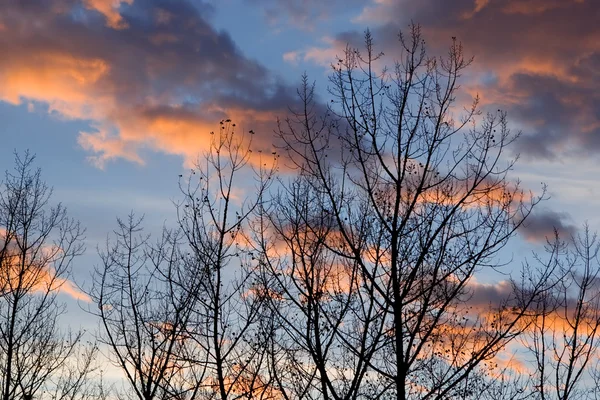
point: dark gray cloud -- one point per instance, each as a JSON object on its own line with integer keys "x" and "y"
{"x": 152, "y": 72}
{"x": 483, "y": 296}
{"x": 540, "y": 225}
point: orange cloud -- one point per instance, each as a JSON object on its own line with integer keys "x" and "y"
{"x": 31, "y": 275}
{"x": 69, "y": 288}
{"x": 162, "y": 83}
{"x": 324, "y": 56}
{"x": 479, "y": 5}
{"x": 40, "y": 280}
{"x": 65, "y": 82}
{"x": 108, "y": 148}
{"x": 110, "y": 10}
{"x": 73, "y": 87}
{"x": 301, "y": 252}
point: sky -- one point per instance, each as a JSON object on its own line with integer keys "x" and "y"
{"x": 117, "y": 97}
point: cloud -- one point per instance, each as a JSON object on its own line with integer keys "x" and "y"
{"x": 302, "y": 13}
{"x": 536, "y": 59}
{"x": 321, "y": 55}
{"x": 541, "y": 224}
{"x": 484, "y": 295}
{"x": 29, "y": 276}
{"x": 69, "y": 288}
{"x": 146, "y": 74}
{"x": 110, "y": 10}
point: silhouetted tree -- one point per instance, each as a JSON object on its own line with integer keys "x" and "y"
{"x": 369, "y": 254}
{"x": 143, "y": 316}
{"x": 213, "y": 217}
{"x": 180, "y": 320}
{"x": 353, "y": 277}
{"x": 564, "y": 335}
{"x": 318, "y": 310}
{"x": 77, "y": 378}
{"x": 38, "y": 243}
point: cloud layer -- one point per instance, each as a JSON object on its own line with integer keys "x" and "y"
{"x": 302, "y": 13}
{"x": 539, "y": 60}
{"x": 146, "y": 74}
{"x": 157, "y": 75}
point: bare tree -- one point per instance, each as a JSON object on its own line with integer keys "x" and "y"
{"x": 77, "y": 378}
{"x": 38, "y": 243}
{"x": 143, "y": 316}
{"x": 405, "y": 203}
{"x": 323, "y": 326}
{"x": 181, "y": 316}
{"x": 213, "y": 216}
{"x": 564, "y": 335}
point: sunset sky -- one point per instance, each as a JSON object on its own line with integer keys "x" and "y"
{"x": 117, "y": 98}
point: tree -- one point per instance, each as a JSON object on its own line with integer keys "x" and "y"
{"x": 318, "y": 312}
{"x": 178, "y": 319}
{"x": 563, "y": 337}
{"x": 225, "y": 323}
{"x": 143, "y": 317}
{"x": 38, "y": 243}
{"x": 397, "y": 204}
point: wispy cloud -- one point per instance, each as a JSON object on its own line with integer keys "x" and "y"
{"x": 303, "y": 14}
